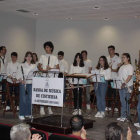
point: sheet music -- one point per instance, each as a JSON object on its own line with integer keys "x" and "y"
{"x": 117, "y": 83}
{"x": 97, "y": 77}
{"x": 82, "y": 81}
{"x": 87, "y": 74}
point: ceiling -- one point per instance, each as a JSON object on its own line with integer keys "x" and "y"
{"x": 74, "y": 9}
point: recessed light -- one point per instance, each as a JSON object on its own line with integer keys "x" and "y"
{"x": 106, "y": 18}
{"x": 69, "y": 18}
{"x": 137, "y": 16}
{"x": 96, "y": 7}
{"x": 35, "y": 14}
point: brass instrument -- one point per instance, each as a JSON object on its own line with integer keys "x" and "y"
{"x": 137, "y": 72}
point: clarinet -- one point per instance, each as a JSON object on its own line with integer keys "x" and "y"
{"x": 24, "y": 79}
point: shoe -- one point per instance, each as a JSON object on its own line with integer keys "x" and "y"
{"x": 30, "y": 116}
{"x": 75, "y": 112}
{"x": 100, "y": 116}
{"x": 108, "y": 108}
{"x": 88, "y": 106}
{"x": 50, "y": 111}
{"x": 42, "y": 112}
{"x": 7, "y": 108}
{"x": 118, "y": 119}
{"x": 80, "y": 112}
{"x": 97, "y": 114}
{"x": 123, "y": 119}
{"x": 17, "y": 107}
{"x": 21, "y": 117}
{"x": 116, "y": 109}
{"x": 103, "y": 114}
{"x": 137, "y": 124}
{"x": 138, "y": 132}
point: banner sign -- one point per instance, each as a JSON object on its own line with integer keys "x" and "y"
{"x": 48, "y": 91}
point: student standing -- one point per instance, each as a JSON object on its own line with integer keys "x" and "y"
{"x": 48, "y": 62}
{"x": 25, "y": 86}
{"x": 11, "y": 71}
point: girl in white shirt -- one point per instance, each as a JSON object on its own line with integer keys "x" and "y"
{"x": 25, "y": 86}
{"x": 35, "y": 58}
{"x": 101, "y": 88}
{"x": 77, "y": 67}
{"x": 125, "y": 75}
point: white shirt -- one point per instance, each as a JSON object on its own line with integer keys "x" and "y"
{"x": 114, "y": 63}
{"x": 63, "y": 65}
{"x": 44, "y": 61}
{"x": 26, "y": 70}
{"x": 76, "y": 69}
{"x": 124, "y": 72}
{"x": 106, "y": 73}
{"x": 88, "y": 64}
{"x": 12, "y": 70}
{"x": 3, "y": 66}
{"x": 53, "y": 63}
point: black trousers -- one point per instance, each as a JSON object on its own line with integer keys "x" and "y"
{"x": 75, "y": 92}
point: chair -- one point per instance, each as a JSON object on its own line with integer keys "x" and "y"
{"x": 6, "y": 128}
{"x": 2, "y": 93}
{"x": 11, "y": 98}
{"x": 63, "y": 137}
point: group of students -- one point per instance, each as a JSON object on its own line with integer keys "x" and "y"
{"x": 110, "y": 67}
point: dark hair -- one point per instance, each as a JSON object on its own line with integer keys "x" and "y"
{"x": 36, "y": 56}
{"x": 29, "y": 53}
{"x": 106, "y": 66}
{"x": 113, "y": 47}
{"x": 14, "y": 54}
{"x": 84, "y": 51}
{"x": 76, "y": 123}
{"x": 1, "y": 48}
{"x": 61, "y": 53}
{"x": 81, "y": 61}
{"x": 113, "y": 131}
{"x": 50, "y": 44}
{"x": 128, "y": 56}
{"x": 117, "y": 54}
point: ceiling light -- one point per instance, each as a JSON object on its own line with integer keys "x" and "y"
{"x": 106, "y": 18}
{"x": 96, "y": 7}
{"x": 35, "y": 14}
{"x": 69, "y": 18}
{"x": 137, "y": 16}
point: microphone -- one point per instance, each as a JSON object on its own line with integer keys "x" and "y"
{"x": 48, "y": 60}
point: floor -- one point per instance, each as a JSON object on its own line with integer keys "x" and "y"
{"x": 95, "y": 133}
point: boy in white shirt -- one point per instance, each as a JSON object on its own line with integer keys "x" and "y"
{"x": 64, "y": 67}
{"x": 3, "y": 64}
{"x": 114, "y": 62}
{"x": 88, "y": 68}
{"x": 47, "y": 62}
{"x": 11, "y": 71}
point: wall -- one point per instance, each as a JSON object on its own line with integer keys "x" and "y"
{"x": 93, "y": 36}
{"x": 17, "y": 33}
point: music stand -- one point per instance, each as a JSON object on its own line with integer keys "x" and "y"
{"x": 78, "y": 77}
{"x": 54, "y": 72}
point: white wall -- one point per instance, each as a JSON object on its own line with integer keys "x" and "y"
{"x": 17, "y": 34}
{"x": 93, "y": 36}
